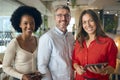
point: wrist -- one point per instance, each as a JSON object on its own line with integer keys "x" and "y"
{"x": 106, "y": 71}
{"x": 76, "y": 66}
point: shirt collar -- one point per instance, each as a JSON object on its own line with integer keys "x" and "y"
{"x": 60, "y": 32}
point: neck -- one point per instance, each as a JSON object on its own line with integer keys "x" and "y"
{"x": 91, "y": 37}
{"x": 26, "y": 38}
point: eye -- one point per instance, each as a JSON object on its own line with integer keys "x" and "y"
{"x": 67, "y": 15}
{"x": 32, "y": 23}
{"x": 91, "y": 20}
{"x": 25, "y": 23}
{"x": 84, "y": 22}
{"x": 61, "y": 15}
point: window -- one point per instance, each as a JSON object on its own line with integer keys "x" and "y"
{"x": 71, "y": 25}
{"x": 5, "y": 32}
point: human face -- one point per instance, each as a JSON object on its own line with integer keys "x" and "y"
{"x": 27, "y": 24}
{"x": 62, "y": 18}
{"x": 88, "y": 24}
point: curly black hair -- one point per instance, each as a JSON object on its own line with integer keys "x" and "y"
{"x": 22, "y": 10}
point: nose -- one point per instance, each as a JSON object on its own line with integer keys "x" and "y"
{"x": 63, "y": 17}
{"x": 29, "y": 25}
{"x": 87, "y": 23}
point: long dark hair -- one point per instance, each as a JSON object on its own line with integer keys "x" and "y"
{"x": 81, "y": 32}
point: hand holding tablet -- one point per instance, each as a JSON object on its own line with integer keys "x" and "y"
{"x": 99, "y": 65}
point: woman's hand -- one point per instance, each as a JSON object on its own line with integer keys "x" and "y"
{"x": 33, "y": 76}
{"x": 79, "y": 69}
{"x": 38, "y": 75}
{"x": 26, "y": 77}
{"x": 95, "y": 69}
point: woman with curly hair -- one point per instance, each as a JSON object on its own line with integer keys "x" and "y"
{"x": 20, "y": 56}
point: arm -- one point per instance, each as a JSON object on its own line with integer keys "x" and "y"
{"x": 79, "y": 69}
{"x": 9, "y": 59}
{"x": 44, "y": 52}
{"x": 117, "y": 70}
{"x": 112, "y": 57}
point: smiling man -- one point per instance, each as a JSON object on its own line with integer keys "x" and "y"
{"x": 55, "y": 48}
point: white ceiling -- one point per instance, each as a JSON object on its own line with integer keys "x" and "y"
{"x": 88, "y": 3}
{"x": 45, "y": 6}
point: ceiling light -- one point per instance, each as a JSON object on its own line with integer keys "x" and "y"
{"x": 68, "y": 2}
{"x": 107, "y": 12}
{"x": 116, "y": 14}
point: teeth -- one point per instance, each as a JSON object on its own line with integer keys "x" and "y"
{"x": 89, "y": 29}
{"x": 29, "y": 30}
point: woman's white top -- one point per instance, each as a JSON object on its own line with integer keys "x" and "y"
{"x": 18, "y": 61}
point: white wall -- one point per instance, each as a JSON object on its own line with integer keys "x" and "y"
{"x": 7, "y": 7}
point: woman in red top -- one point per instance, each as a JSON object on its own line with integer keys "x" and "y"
{"x": 93, "y": 46}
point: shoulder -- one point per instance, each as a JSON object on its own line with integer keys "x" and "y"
{"x": 45, "y": 38}
{"x": 13, "y": 41}
{"x": 49, "y": 34}
{"x": 106, "y": 39}
{"x": 70, "y": 35}
{"x": 36, "y": 38}
{"x": 13, "y": 45}
{"x": 45, "y": 35}
{"x": 71, "y": 38}
{"x": 77, "y": 44}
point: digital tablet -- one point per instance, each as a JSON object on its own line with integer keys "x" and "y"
{"x": 99, "y": 65}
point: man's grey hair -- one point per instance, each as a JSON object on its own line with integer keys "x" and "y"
{"x": 62, "y": 7}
